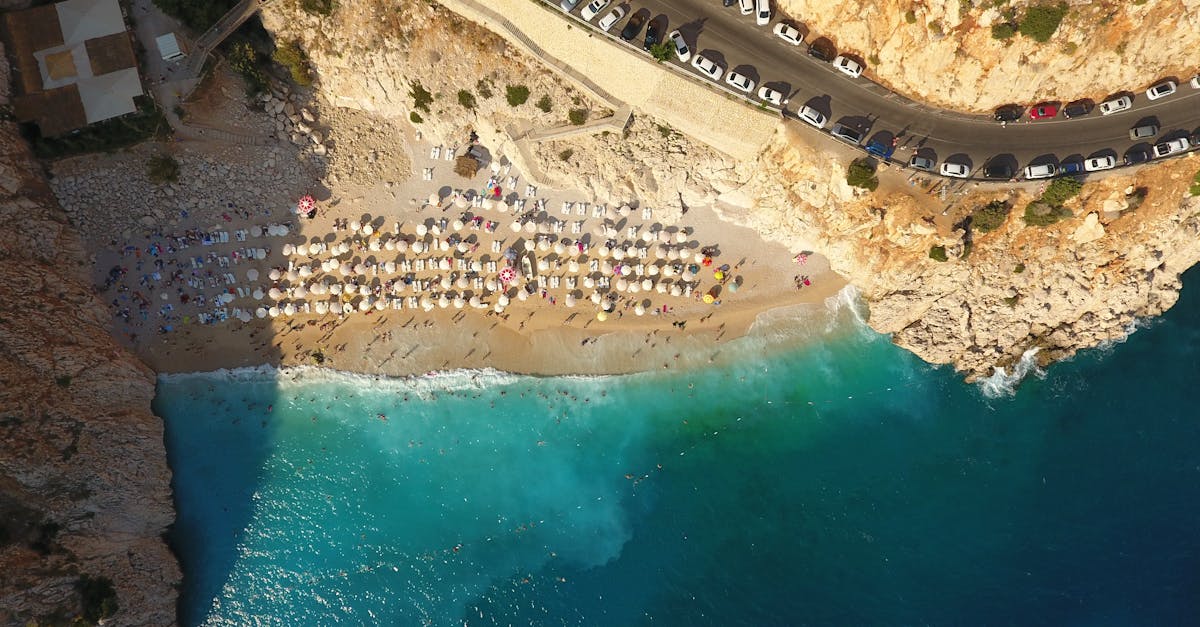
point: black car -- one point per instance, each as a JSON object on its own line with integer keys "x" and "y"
{"x": 1077, "y": 109}
{"x": 633, "y": 26}
{"x": 728, "y": 3}
{"x": 999, "y": 170}
{"x": 1009, "y": 113}
{"x": 819, "y": 53}
{"x": 653, "y": 34}
{"x": 1138, "y": 155}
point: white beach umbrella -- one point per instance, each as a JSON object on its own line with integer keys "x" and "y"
{"x": 422, "y": 230}
{"x": 488, "y": 204}
{"x": 289, "y": 310}
{"x": 275, "y": 294}
{"x": 522, "y": 295}
{"x": 256, "y": 231}
{"x": 652, "y": 270}
{"x": 664, "y": 236}
{"x": 252, "y": 275}
{"x": 364, "y": 290}
{"x": 299, "y": 292}
{"x": 618, "y": 254}
{"x": 675, "y": 291}
{"x": 435, "y": 229}
{"x": 434, "y": 199}
{"x": 498, "y": 308}
{"x": 304, "y": 271}
{"x": 273, "y": 312}
{"x": 661, "y": 288}
{"x": 688, "y": 275}
{"x": 530, "y": 245}
{"x": 602, "y": 252}
{"x": 322, "y": 307}
{"x": 699, "y": 257}
{"x": 625, "y": 211}
{"x": 515, "y": 226}
{"x": 680, "y": 237}
{"x": 260, "y": 253}
{"x": 530, "y": 227}
{"x": 639, "y": 310}
{"x": 274, "y": 274}
{"x": 343, "y": 248}
{"x": 293, "y": 275}
{"x": 443, "y": 245}
{"x": 647, "y": 284}
{"x": 402, "y": 246}
{"x": 457, "y": 225}
{"x": 380, "y": 304}
{"x": 335, "y": 288}
{"x": 347, "y": 307}
{"x": 368, "y": 229}
{"x": 573, "y": 266}
{"x": 288, "y": 249}
{"x": 446, "y": 283}
{"x": 389, "y": 267}
{"x": 417, "y": 247}
{"x": 459, "y": 302}
{"x": 389, "y": 245}
{"x": 622, "y": 285}
{"x": 461, "y": 202}
{"x": 647, "y": 236}
{"x": 596, "y": 298}
{"x": 589, "y": 282}
{"x": 319, "y": 289}
{"x": 345, "y": 269}
{"x": 672, "y": 254}
{"x": 543, "y": 265}
{"x": 502, "y": 301}
{"x": 443, "y": 302}
{"x": 355, "y": 226}
{"x": 302, "y": 250}
{"x": 475, "y": 302}
{"x": 606, "y": 267}
{"x": 668, "y": 271}
{"x": 543, "y": 245}
{"x": 501, "y": 206}
{"x": 559, "y": 248}
{"x": 570, "y": 300}
{"x": 462, "y": 247}
{"x": 364, "y": 304}
{"x": 261, "y": 312}
{"x": 477, "y": 266}
{"x": 444, "y": 264}
{"x": 462, "y": 283}
{"x": 490, "y": 284}
{"x": 258, "y": 293}
{"x": 360, "y": 268}
{"x": 374, "y": 245}
{"x": 606, "y": 306}
{"x": 634, "y": 287}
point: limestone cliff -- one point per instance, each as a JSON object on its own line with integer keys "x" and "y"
{"x": 943, "y": 51}
{"x": 84, "y": 485}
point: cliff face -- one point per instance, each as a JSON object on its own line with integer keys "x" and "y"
{"x": 947, "y": 55}
{"x": 84, "y": 485}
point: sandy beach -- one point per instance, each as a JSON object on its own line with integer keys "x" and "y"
{"x": 420, "y": 284}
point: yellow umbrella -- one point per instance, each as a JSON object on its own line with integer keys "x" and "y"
{"x": 602, "y": 316}
{"x": 718, "y": 275}
{"x": 708, "y": 299}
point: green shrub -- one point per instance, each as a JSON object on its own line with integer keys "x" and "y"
{"x": 1060, "y": 191}
{"x": 1070, "y": 48}
{"x": 910, "y": 16}
{"x": 63, "y": 381}
{"x": 466, "y": 99}
{"x": 318, "y": 7}
{"x": 577, "y": 116}
{"x": 663, "y": 51}
{"x": 421, "y": 96}
{"x": 162, "y": 169}
{"x": 990, "y": 216}
{"x": 566, "y": 154}
{"x": 544, "y": 104}
{"x": 938, "y": 253}
{"x": 484, "y": 87}
{"x": 293, "y": 58}
{"x": 246, "y": 60}
{"x": 860, "y": 173}
{"x": 98, "y": 596}
{"x": 516, "y": 95}
{"x": 415, "y": 117}
{"x": 1042, "y": 20}
{"x": 1003, "y": 30}
{"x": 935, "y": 27}
{"x": 1043, "y": 214}
{"x": 873, "y": 59}
{"x": 1019, "y": 268}
{"x": 197, "y": 14}
{"x": 1012, "y": 301}
{"x": 1195, "y": 188}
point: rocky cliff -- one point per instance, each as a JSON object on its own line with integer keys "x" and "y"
{"x": 944, "y": 52}
{"x": 84, "y": 486}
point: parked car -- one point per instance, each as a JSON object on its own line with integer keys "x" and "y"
{"x": 653, "y": 34}
{"x": 1143, "y": 132}
{"x": 1070, "y": 167}
{"x": 567, "y": 5}
{"x": 762, "y": 12}
{"x": 812, "y": 116}
{"x": 1170, "y": 147}
{"x": 1077, "y": 109}
{"x": 740, "y": 82}
{"x": 848, "y": 66}
{"x": 1137, "y": 155}
{"x": 1096, "y": 164}
{"x": 921, "y": 163}
{"x": 633, "y": 26}
{"x": 728, "y": 3}
{"x": 1008, "y": 113}
{"x": 820, "y": 53}
{"x": 681, "y": 48}
{"x": 746, "y": 6}
{"x": 1043, "y": 171}
{"x": 788, "y": 33}
{"x": 1195, "y": 82}
{"x": 1043, "y": 111}
{"x": 1194, "y": 139}
{"x": 956, "y": 170}
{"x": 879, "y": 149}
{"x": 592, "y": 9}
{"x": 771, "y": 96}
{"x": 1161, "y": 90}
{"x": 998, "y": 170}
{"x": 614, "y": 16}
{"x": 847, "y": 134}
{"x": 707, "y": 67}
{"x": 1121, "y": 103}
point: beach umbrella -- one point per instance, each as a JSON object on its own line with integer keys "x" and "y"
{"x": 625, "y": 211}
{"x": 380, "y": 304}
{"x": 647, "y": 236}
{"x": 675, "y": 291}
{"x": 475, "y": 302}
{"x": 507, "y": 275}
{"x": 389, "y": 267}
{"x": 446, "y": 283}
{"x": 335, "y": 288}
{"x": 273, "y": 312}
{"x": 639, "y": 310}
{"x": 258, "y": 293}
{"x": 347, "y": 307}
{"x": 301, "y": 250}
{"x": 622, "y": 285}
{"x": 502, "y": 301}
{"x": 688, "y": 275}
{"x": 530, "y": 227}
{"x": 488, "y": 203}
{"x": 652, "y": 270}
{"x": 402, "y": 246}
{"x": 435, "y": 229}
{"x": 672, "y": 254}
{"x": 343, "y": 248}
{"x": 708, "y": 299}
{"x": 589, "y": 282}
{"x": 460, "y": 202}
{"x": 459, "y": 302}
{"x": 733, "y": 287}
{"x": 501, "y": 206}
{"x": 364, "y": 304}
{"x": 299, "y": 292}
{"x": 570, "y": 300}
{"x": 601, "y": 316}
{"x": 256, "y": 231}
{"x": 292, "y": 275}
{"x": 718, "y": 275}
{"x": 635, "y": 287}
{"x": 422, "y": 230}
{"x": 275, "y": 294}
{"x": 434, "y": 199}
{"x": 573, "y": 266}
{"x": 668, "y": 271}
{"x": 462, "y": 283}
{"x": 543, "y": 245}
{"x": 618, "y": 254}
{"x": 515, "y": 226}
{"x": 252, "y": 275}
{"x": 261, "y": 312}
{"x": 306, "y": 203}
{"x": 490, "y": 284}
{"x": 288, "y": 249}
{"x": 417, "y": 248}
{"x": 389, "y": 245}
{"x": 680, "y": 237}
{"x": 543, "y": 265}
{"x": 457, "y": 225}
{"x": 368, "y": 229}
{"x": 664, "y": 237}
{"x": 359, "y": 268}
{"x": 374, "y": 245}
{"x": 647, "y": 284}
{"x": 443, "y": 302}
{"x": 443, "y": 245}
{"x": 318, "y": 288}
{"x": 289, "y": 310}
{"x": 274, "y": 274}
{"x": 364, "y": 290}
{"x": 322, "y": 307}
{"x": 661, "y": 288}
{"x": 224, "y": 298}
{"x": 477, "y": 266}
{"x": 606, "y": 267}
{"x": 596, "y": 298}
{"x": 602, "y": 252}
{"x": 444, "y": 264}
{"x": 498, "y": 308}
{"x": 462, "y": 247}
{"x": 355, "y": 226}
{"x": 304, "y": 271}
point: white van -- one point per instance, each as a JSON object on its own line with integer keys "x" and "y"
{"x": 762, "y": 12}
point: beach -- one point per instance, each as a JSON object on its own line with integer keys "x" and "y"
{"x": 418, "y": 277}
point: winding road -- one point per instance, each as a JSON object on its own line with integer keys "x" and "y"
{"x": 735, "y": 42}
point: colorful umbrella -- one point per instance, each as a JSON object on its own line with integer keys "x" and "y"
{"x": 307, "y": 203}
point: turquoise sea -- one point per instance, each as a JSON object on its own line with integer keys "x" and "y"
{"x": 838, "y": 482}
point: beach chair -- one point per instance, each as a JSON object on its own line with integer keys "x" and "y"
{"x": 511, "y": 182}
{"x": 448, "y": 155}
{"x": 647, "y": 214}
{"x": 577, "y": 227}
{"x": 491, "y": 267}
{"x": 597, "y": 211}
{"x": 572, "y": 282}
{"x": 566, "y": 208}
{"x": 530, "y": 191}
{"x": 224, "y": 237}
{"x": 581, "y": 208}
{"x": 435, "y": 152}
{"x": 554, "y": 282}
{"x": 427, "y": 174}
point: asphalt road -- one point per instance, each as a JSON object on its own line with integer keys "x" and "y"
{"x": 735, "y": 42}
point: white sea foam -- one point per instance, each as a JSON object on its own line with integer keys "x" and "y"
{"x": 1002, "y": 383}
{"x": 440, "y": 381}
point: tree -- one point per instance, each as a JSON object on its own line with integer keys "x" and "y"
{"x": 466, "y": 99}
{"x": 1060, "y": 191}
{"x": 938, "y": 253}
{"x": 516, "y": 95}
{"x": 861, "y": 173}
{"x": 544, "y": 104}
{"x": 1003, "y": 30}
{"x": 1042, "y": 20}
{"x": 990, "y": 216}
{"x": 577, "y": 116}
{"x": 663, "y": 51}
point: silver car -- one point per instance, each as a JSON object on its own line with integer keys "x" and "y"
{"x": 567, "y": 5}
{"x": 707, "y": 67}
{"x": 812, "y": 116}
{"x": 1108, "y": 107}
{"x": 921, "y": 163}
{"x": 1142, "y": 132}
{"x": 1096, "y": 164}
{"x": 1044, "y": 171}
{"x": 681, "y": 47}
{"x": 1170, "y": 147}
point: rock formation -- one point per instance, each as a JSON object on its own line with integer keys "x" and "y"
{"x": 84, "y": 486}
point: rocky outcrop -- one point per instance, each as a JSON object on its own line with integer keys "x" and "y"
{"x": 943, "y": 51}
{"x": 84, "y": 486}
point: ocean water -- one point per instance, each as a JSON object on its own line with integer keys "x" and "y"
{"x": 843, "y": 482}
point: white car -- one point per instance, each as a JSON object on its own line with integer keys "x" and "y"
{"x": 762, "y": 12}
{"x": 1096, "y": 164}
{"x": 1108, "y": 107}
{"x": 848, "y": 66}
{"x": 1161, "y": 90}
{"x": 771, "y": 96}
{"x": 812, "y": 116}
{"x": 592, "y": 9}
{"x": 681, "y": 48}
{"x": 746, "y": 6}
{"x": 957, "y": 170}
{"x": 612, "y": 18}
{"x": 788, "y": 33}
{"x": 707, "y": 67}
{"x": 1195, "y": 82}
{"x": 1170, "y": 147}
{"x": 567, "y": 5}
{"x": 740, "y": 82}
{"x": 1043, "y": 171}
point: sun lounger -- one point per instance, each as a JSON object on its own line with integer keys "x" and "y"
{"x": 597, "y": 211}
{"x": 581, "y": 208}
{"x": 435, "y": 152}
{"x": 530, "y": 191}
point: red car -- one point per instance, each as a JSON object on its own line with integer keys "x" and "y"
{"x": 1046, "y": 110}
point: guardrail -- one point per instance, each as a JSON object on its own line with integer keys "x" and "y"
{"x": 884, "y": 93}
